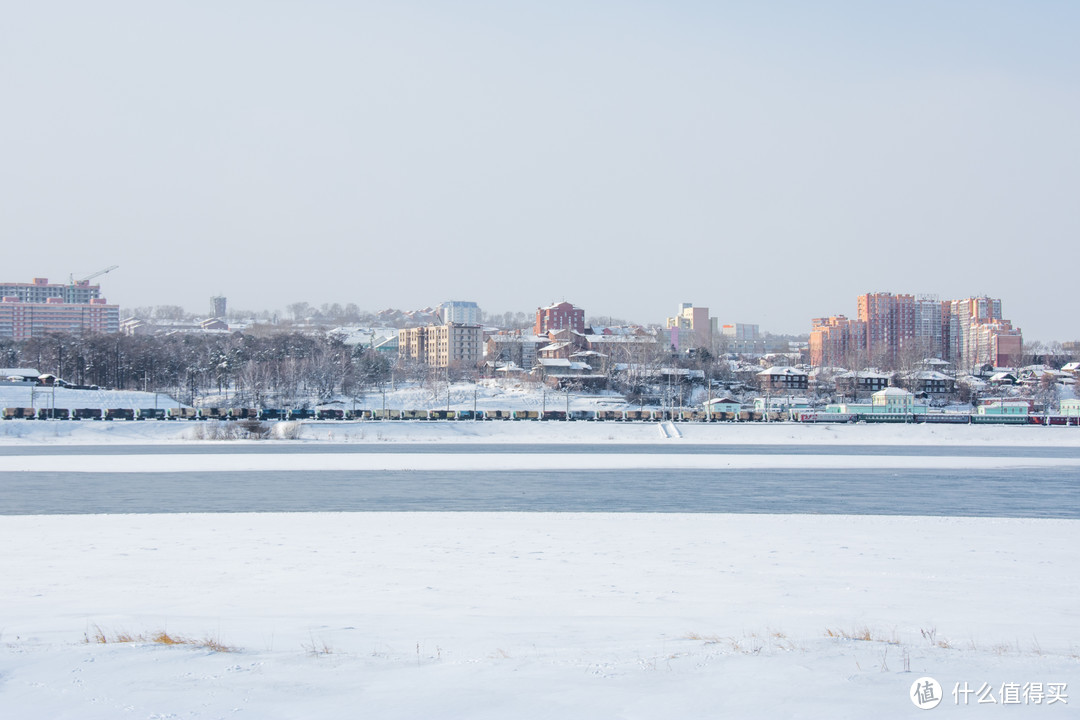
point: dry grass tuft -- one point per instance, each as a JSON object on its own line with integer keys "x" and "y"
{"x": 317, "y": 648}
{"x": 862, "y": 633}
{"x": 160, "y": 637}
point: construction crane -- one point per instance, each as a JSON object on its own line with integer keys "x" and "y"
{"x": 86, "y": 280}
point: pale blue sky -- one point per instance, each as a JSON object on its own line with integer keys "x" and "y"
{"x": 768, "y": 160}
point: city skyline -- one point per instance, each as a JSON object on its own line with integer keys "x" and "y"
{"x": 769, "y": 163}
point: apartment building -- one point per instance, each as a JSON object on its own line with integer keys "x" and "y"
{"x": 452, "y": 345}
{"x": 40, "y": 290}
{"x": 891, "y": 330}
{"x": 837, "y": 341}
{"x": 558, "y": 317}
{"x": 979, "y": 335}
{"x": 33, "y": 309}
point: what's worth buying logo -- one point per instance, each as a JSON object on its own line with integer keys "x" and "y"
{"x": 926, "y": 693}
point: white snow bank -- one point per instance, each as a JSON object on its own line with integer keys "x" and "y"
{"x": 529, "y": 615}
{"x": 16, "y": 432}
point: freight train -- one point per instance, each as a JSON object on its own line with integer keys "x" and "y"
{"x": 640, "y": 415}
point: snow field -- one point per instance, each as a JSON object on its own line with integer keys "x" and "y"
{"x": 528, "y": 615}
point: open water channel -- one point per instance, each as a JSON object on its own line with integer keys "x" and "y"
{"x": 1043, "y": 492}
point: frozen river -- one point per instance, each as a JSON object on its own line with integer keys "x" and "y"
{"x": 430, "y": 448}
{"x": 1036, "y": 492}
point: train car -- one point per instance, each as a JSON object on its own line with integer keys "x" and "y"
{"x": 639, "y": 415}
{"x": 86, "y": 414}
{"x": 358, "y": 415}
{"x": 693, "y": 416}
{"x": 442, "y": 415}
{"x": 526, "y": 414}
{"x": 301, "y": 414}
{"x": 53, "y": 414}
{"x": 243, "y": 414}
{"x": 182, "y": 414}
{"x": 470, "y": 415}
{"x": 150, "y": 414}
{"x": 810, "y": 416}
{"x": 330, "y": 414}
{"x": 19, "y": 413}
{"x": 271, "y": 414}
{"x": 387, "y": 414}
{"x": 498, "y": 415}
{"x": 885, "y": 417}
{"x": 414, "y": 414}
{"x": 943, "y": 418}
{"x": 720, "y": 416}
{"x": 553, "y": 415}
{"x": 610, "y": 415}
{"x": 214, "y": 413}
{"x": 119, "y": 414}
{"x": 586, "y": 415}
{"x": 1000, "y": 419}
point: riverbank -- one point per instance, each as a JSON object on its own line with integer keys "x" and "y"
{"x": 14, "y": 432}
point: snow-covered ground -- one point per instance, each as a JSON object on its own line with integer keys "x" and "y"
{"x": 532, "y": 615}
{"x": 13, "y": 432}
{"x": 401, "y": 615}
{"x": 33, "y": 396}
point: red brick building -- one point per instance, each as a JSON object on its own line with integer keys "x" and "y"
{"x": 559, "y": 317}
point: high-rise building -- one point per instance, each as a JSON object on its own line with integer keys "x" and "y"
{"x": 218, "y": 306}
{"x": 929, "y": 327}
{"x": 33, "y": 309}
{"x": 694, "y": 328}
{"x": 890, "y": 324}
{"x": 460, "y": 311}
{"x": 978, "y": 335}
{"x": 743, "y": 338}
{"x": 964, "y": 315}
{"x": 559, "y": 317}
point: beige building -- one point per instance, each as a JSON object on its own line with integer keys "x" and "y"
{"x": 692, "y": 328}
{"x": 450, "y": 345}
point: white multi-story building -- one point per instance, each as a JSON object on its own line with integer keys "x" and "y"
{"x": 743, "y": 338}
{"x": 462, "y": 312}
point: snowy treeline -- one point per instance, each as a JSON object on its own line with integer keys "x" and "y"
{"x": 248, "y": 369}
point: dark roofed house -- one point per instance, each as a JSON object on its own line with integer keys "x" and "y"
{"x": 783, "y": 378}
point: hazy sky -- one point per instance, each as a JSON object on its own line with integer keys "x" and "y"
{"x": 770, "y": 160}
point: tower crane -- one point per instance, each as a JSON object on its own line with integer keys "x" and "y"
{"x": 86, "y": 280}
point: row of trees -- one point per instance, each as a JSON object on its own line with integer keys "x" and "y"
{"x": 240, "y": 369}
